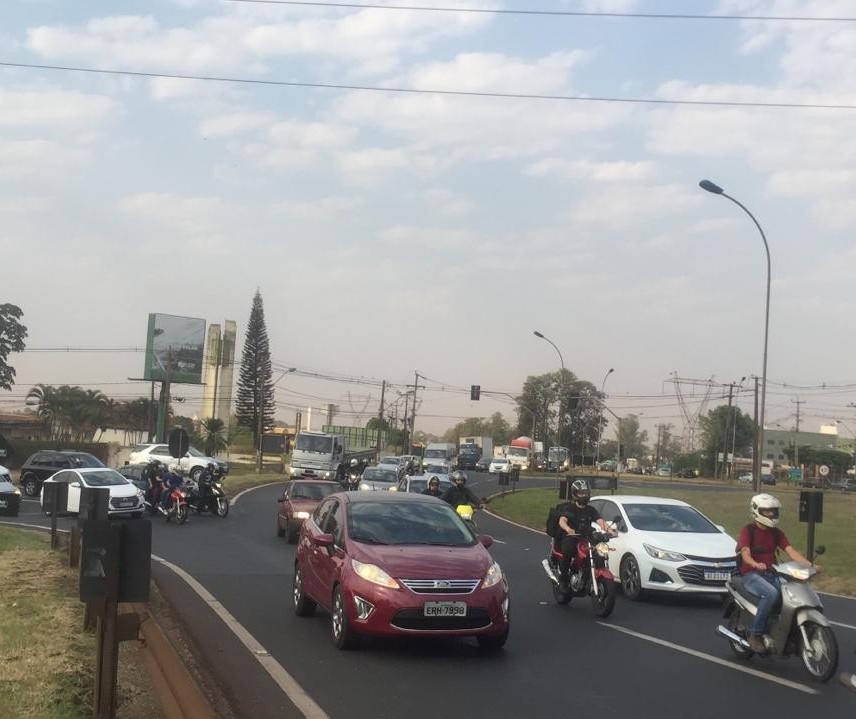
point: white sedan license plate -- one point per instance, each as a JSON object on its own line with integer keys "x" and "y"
{"x": 718, "y": 576}
{"x": 445, "y": 609}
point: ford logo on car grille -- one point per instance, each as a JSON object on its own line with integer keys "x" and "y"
{"x": 440, "y": 584}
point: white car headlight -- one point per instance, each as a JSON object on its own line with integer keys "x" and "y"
{"x": 365, "y": 487}
{"x": 663, "y": 554}
{"x": 393, "y": 489}
{"x": 374, "y": 574}
{"x": 301, "y": 515}
{"x": 493, "y": 576}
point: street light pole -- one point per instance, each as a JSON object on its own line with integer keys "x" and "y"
{"x": 261, "y": 423}
{"x": 561, "y": 383}
{"x": 600, "y": 424}
{"x": 709, "y": 186}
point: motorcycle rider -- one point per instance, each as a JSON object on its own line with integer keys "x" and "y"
{"x": 757, "y": 545}
{"x": 171, "y": 480}
{"x": 151, "y": 474}
{"x": 433, "y": 488}
{"x": 206, "y": 478}
{"x": 459, "y": 493}
{"x": 576, "y": 515}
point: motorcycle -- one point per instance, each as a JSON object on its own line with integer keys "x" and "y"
{"x": 215, "y": 500}
{"x": 176, "y": 505}
{"x": 798, "y": 626}
{"x": 590, "y": 573}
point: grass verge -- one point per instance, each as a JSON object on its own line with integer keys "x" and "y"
{"x": 730, "y": 509}
{"x": 45, "y": 657}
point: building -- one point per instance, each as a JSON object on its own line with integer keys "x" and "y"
{"x": 779, "y": 442}
{"x": 219, "y": 372}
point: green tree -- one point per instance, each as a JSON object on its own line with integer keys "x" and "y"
{"x": 633, "y": 441}
{"x": 810, "y": 456}
{"x": 719, "y": 428}
{"x": 12, "y": 335}
{"x": 212, "y": 432}
{"x": 255, "y": 385}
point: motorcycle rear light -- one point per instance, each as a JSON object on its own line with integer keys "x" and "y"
{"x": 364, "y": 608}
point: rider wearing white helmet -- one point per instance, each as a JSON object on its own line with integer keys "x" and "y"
{"x": 757, "y": 545}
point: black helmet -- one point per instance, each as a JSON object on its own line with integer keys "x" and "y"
{"x": 210, "y": 467}
{"x": 580, "y": 491}
{"x": 434, "y": 482}
{"x": 458, "y": 476}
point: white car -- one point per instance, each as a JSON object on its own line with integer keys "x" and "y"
{"x": 191, "y": 464}
{"x": 125, "y": 499}
{"x": 666, "y": 545}
{"x": 499, "y": 464}
{"x": 379, "y": 479}
{"x": 440, "y": 470}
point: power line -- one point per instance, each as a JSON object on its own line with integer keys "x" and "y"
{"x": 438, "y": 91}
{"x": 552, "y": 13}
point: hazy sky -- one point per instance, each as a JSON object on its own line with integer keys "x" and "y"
{"x": 396, "y": 232}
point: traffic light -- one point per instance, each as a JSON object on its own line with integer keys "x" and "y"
{"x": 475, "y": 391}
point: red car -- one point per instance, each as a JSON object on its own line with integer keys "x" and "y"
{"x": 390, "y": 564}
{"x": 300, "y": 499}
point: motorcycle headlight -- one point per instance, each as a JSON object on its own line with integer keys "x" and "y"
{"x": 374, "y": 574}
{"x": 602, "y": 548}
{"x": 493, "y": 576}
{"x": 663, "y": 554}
{"x": 301, "y": 515}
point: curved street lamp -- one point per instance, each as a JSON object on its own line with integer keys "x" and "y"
{"x": 715, "y": 189}
{"x": 600, "y": 425}
{"x": 562, "y": 379}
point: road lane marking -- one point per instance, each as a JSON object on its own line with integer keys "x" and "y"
{"x": 516, "y": 524}
{"x": 839, "y": 596}
{"x": 715, "y": 660}
{"x": 234, "y": 499}
{"x": 289, "y": 685}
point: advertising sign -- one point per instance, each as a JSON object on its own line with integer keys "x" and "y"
{"x": 174, "y": 349}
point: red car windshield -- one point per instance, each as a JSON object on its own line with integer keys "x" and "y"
{"x": 307, "y": 490}
{"x": 407, "y": 523}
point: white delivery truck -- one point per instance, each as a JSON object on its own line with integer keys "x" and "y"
{"x": 322, "y": 455}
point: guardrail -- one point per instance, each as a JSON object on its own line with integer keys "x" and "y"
{"x": 177, "y": 691}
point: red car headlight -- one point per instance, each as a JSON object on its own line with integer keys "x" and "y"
{"x": 374, "y": 574}
{"x": 493, "y": 576}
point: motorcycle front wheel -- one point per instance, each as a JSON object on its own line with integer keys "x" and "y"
{"x": 604, "y": 601}
{"x": 735, "y": 624}
{"x": 222, "y": 506}
{"x": 560, "y": 596}
{"x": 181, "y": 513}
{"x": 820, "y": 655}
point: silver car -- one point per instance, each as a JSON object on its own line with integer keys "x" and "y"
{"x": 379, "y": 478}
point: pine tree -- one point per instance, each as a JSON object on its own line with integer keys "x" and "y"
{"x": 255, "y": 383}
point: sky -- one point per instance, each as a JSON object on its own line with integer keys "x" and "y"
{"x": 392, "y": 233}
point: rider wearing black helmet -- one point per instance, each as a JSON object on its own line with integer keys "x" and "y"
{"x": 459, "y": 493}
{"x": 433, "y": 488}
{"x": 577, "y": 514}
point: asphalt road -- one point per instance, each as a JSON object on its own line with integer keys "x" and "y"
{"x": 657, "y": 658}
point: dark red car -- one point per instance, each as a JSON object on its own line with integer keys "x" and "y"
{"x": 388, "y": 563}
{"x": 300, "y": 499}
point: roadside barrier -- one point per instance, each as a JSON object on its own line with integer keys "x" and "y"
{"x": 177, "y": 691}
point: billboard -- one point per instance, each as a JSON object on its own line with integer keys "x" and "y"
{"x": 174, "y": 349}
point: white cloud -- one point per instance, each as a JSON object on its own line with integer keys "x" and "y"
{"x": 49, "y": 107}
{"x": 41, "y": 158}
{"x": 324, "y": 208}
{"x": 428, "y": 239}
{"x": 235, "y": 123}
{"x": 622, "y": 206}
{"x": 594, "y": 171}
{"x": 291, "y": 144}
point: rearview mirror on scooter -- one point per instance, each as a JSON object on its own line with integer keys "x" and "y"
{"x": 820, "y": 550}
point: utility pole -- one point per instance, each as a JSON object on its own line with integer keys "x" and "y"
{"x": 756, "y": 444}
{"x": 380, "y": 415}
{"x": 723, "y": 468}
{"x": 413, "y": 414}
{"x": 797, "y": 402}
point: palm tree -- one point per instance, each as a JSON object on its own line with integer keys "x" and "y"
{"x": 214, "y": 436}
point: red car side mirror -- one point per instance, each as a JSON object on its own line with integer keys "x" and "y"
{"x": 325, "y": 540}
{"x": 485, "y": 540}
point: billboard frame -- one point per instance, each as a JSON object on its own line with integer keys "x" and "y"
{"x": 192, "y": 353}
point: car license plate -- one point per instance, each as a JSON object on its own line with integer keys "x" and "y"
{"x": 445, "y": 609}
{"x": 718, "y": 576}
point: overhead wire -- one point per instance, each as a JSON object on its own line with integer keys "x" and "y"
{"x": 438, "y": 91}
{"x": 549, "y": 13}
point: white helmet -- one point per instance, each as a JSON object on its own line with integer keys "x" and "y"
{"x": 765, "y": 509}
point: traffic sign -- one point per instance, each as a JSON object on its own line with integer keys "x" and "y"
{"x": 823, "y": 470}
